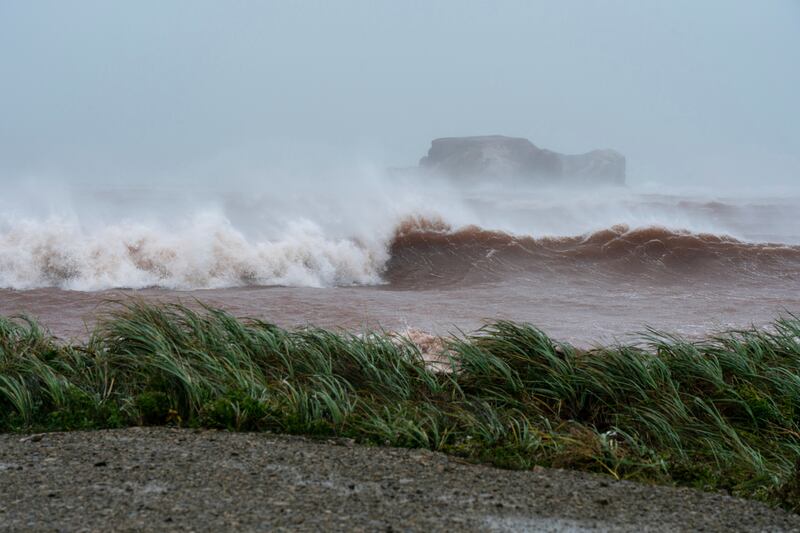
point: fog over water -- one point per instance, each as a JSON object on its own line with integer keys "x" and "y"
{"x": 263, "y": 155}
{"x": 688, "y": 91}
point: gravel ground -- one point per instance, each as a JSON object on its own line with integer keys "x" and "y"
{"x": 170, "y": 479}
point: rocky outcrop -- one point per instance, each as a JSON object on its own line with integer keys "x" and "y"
{"x": 497, "y": 156}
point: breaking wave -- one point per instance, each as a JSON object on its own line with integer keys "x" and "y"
{"x": 210, "y": 252}
{"x": 345, "y": 227}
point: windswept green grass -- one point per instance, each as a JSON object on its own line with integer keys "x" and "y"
{"x": 723, "y": 413}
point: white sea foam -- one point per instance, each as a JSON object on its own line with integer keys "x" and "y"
{"x": 207, "y": 251}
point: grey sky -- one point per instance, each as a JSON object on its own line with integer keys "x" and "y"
{"x": 687, "y": 90}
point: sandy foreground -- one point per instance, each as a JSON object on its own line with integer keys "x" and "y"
{"x": 157, "y": 479}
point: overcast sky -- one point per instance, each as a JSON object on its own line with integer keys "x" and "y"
{"x": 687, "y": 90}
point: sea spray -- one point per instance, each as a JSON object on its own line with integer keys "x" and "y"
{"x": 339, "y": 228}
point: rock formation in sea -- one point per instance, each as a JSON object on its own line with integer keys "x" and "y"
{"x": 497, "y": 156}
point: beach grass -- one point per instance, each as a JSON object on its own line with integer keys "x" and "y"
{"x": 718, "y": 414}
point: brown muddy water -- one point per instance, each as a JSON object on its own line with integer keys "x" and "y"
{"x": 581, "y": 313}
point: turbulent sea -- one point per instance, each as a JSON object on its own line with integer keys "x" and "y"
{"x": 586, "y": 265}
